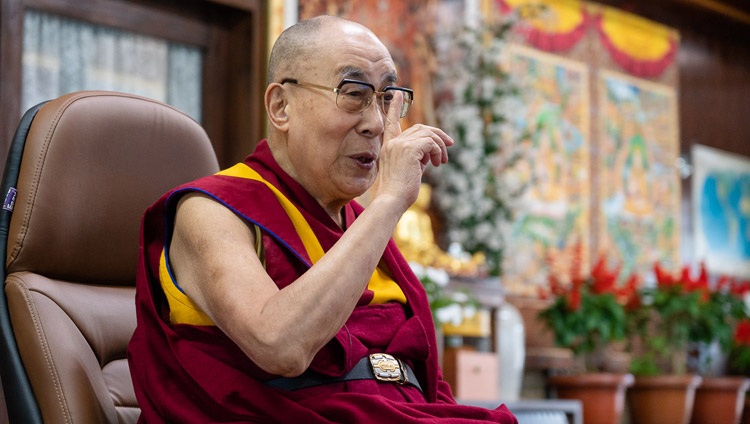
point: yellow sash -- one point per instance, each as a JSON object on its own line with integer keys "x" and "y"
{"x": 184, "y": 311}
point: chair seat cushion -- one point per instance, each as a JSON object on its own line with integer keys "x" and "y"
{"x": 85, "y": 327}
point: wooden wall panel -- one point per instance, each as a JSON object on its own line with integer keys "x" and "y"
{"x": 715, "y": 93}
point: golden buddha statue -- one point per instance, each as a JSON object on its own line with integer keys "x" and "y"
{"x": 415, "y": 238}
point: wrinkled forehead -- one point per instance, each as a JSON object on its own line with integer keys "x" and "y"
{"x": 354, "y": 52}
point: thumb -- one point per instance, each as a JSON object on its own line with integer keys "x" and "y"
{"x": 392, "y": 119}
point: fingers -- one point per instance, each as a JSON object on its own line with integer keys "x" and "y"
{"x": 392, "y": 120}
{"x": 435, "y": 142}
{"x": 406, "y": 154}
{"x": 443, "y": 141}
{"x": 432, "y": 141}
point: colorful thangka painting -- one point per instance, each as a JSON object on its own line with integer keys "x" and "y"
{"x": 638, "y": 185}
{"x": 721, "y": 210}
{"x": 552, "y": 219}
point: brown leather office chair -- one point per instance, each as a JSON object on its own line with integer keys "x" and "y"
{"x": 81, "y": 171}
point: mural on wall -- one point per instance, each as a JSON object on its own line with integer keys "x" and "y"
{"x": 600, "y": 100}
{"x": 638, "y": 186}
{"x": 633, "y": 189}
{"x": 721, "y": 210}
{"x": 553, "y": 214}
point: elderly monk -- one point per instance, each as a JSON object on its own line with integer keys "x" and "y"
{"x": 265, "y": 293}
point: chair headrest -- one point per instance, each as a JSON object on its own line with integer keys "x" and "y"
{"x": 92, "y": 163}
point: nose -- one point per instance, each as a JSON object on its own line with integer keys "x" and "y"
{"x": 373, "y": 119}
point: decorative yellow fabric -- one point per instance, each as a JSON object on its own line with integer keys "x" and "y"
{"x": 552, "y": 16}
{"x": 637, "y": 37}
{"x": 184, "y": 311}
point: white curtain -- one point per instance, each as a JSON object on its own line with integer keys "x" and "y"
{"x": 62, "y": 55}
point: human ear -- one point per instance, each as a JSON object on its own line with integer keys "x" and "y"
{"x": 276, "y": 104}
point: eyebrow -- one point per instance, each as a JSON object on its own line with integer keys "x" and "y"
{"x": 357, "y": 73}
{"x": 351, "y": 72}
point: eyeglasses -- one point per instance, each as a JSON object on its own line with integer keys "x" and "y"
{"x": 356, "y": 96}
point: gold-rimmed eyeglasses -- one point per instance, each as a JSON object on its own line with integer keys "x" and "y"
{"x": 356, "y": 96}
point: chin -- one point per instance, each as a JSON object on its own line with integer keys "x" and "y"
{"x": 358, "y": 190}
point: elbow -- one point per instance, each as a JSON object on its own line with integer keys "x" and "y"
{"x": 286, "y": 366}
{"x": 283, "y": 358}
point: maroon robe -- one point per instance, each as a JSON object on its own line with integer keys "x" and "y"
{"x": 186, "y": 373}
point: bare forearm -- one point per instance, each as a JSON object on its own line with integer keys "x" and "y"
{"x": 313, "y": 309}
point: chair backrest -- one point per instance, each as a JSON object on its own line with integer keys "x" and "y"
{"x": 81, "y": 171}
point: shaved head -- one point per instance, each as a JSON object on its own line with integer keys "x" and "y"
{"x": 300, "y": 45}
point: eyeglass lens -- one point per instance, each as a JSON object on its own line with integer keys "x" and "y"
{"x": 354, "y": 97}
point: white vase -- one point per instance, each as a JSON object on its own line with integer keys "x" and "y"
{"x": 511, "y": 348}
{"x": 707, "y": 359}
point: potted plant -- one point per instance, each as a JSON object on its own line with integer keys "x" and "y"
{"x": 739, "y": 360}
{"x": 739, "y": 354}
{"x": 588, "y": 316}
{"x": 662, "y": 319}
{"x": 721, "y": 396}
{"x": 712, "y": 332}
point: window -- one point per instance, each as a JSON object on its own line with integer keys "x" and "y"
{"x": 63, "y": 55}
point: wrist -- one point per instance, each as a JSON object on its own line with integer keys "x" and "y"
{"x": 390, "y": 203}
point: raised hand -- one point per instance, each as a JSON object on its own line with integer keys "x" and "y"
{"x": 405, "y": 155}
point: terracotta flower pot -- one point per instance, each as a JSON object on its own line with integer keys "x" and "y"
{"x": 663, "y": 399}
{"x": 720, "y": 400}
{"x": 602, "y": 395}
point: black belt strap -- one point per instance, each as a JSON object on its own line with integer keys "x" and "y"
{"x": 361, "y": 371}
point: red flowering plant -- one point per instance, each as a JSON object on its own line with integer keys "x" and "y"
{"x": 588, "y": 312}
{"x": 739, "y": 355}
{"x": 739, "y": 346}
{"x": 679, "y": 310}
{"x": 721, "y": 311}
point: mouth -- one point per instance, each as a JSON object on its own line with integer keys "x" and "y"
{"x": 365, "y": 158}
